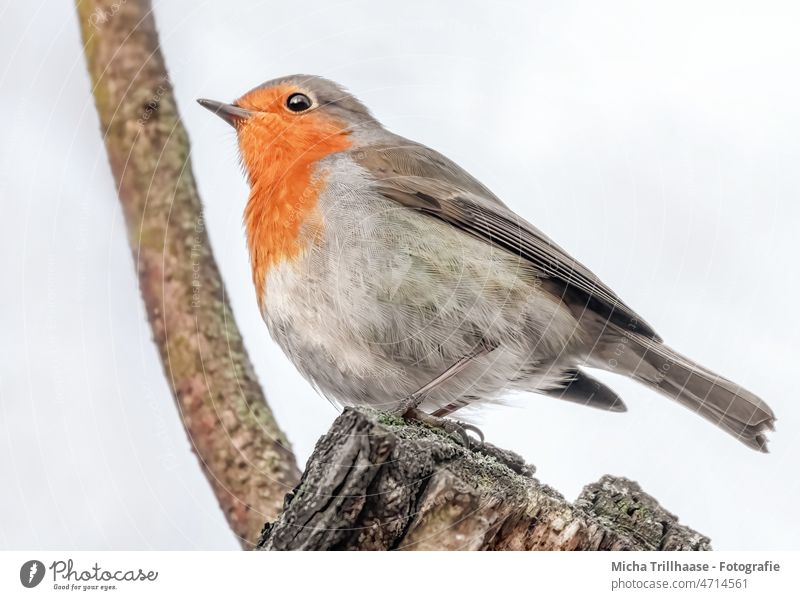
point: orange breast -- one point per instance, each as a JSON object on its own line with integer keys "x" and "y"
{"x": 280, "y": 151}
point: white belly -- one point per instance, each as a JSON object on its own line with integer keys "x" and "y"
{"x": 387, "y": 299}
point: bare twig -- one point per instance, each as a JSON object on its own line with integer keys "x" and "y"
{"x": 244, "y": 454}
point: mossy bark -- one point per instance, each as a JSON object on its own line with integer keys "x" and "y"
{"x": 377, "y": 483}
{"x": 245, "y": 456}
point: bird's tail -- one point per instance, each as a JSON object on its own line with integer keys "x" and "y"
{"x": 729, "y": 406}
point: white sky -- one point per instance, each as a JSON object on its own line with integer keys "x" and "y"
{"x": 658, "y": 144}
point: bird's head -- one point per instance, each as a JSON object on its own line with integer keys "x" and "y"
{"x": 301, "y": 118}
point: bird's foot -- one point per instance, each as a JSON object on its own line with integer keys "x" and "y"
{"x": 455, "y": 428}
{"x": 459, "y": 430}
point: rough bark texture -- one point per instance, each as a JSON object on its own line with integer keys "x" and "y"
{"x": 375, "y": 482}
{"x": 243, "y": 453}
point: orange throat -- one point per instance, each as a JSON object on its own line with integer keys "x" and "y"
{"x": 280, "y": 154}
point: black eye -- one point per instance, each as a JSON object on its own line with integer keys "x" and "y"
{"x": 298, "y": 102}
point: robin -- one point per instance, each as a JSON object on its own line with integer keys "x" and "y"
{"x": 394, "y": 279}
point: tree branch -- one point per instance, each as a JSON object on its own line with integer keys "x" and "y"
{"x": 245, "y": 456}
{"x": 375, "y": 482}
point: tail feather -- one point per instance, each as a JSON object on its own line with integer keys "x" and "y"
{"x": 750, "y": 435}
{"x": 581, "y": 388}
{"x": 729, "y": 406}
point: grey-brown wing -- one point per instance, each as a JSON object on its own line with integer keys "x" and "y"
{"x": 407, "y": 158}
{"x": 441, "y": 189}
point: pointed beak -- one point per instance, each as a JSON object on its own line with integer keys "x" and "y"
{"x": 232, "y": 114}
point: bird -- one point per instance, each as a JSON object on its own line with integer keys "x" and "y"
{"x": 393, "y": 279}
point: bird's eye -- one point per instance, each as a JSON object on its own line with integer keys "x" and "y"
{"x": 298, "y": 102}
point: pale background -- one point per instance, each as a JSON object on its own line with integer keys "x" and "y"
{"x": 659, "y": 143}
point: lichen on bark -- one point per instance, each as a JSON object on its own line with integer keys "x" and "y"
{"x": 375, "y": 482}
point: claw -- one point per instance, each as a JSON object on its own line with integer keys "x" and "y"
{"x": 458, "y": 428}
{"x": 476, "y": 431}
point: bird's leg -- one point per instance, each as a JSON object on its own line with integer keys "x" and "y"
{"x": 409, "y": 407}
{"x": 414, "y": 400}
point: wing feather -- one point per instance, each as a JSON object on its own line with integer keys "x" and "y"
{"x": 423, "y": 180}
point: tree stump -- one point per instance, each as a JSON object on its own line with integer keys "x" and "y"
{"x": 377, "y": 482}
